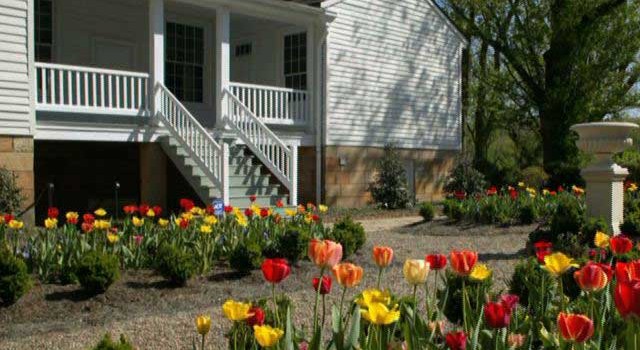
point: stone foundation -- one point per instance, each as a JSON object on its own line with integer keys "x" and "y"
{"x": 348, "y": 172}
{"x": 16, "y": 154}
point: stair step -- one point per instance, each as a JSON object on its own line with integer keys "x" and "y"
{"x": 241, "y": 160}
{"x": 251, "y": 169}
{"x": 245, "y": 202}
{"x": 269, "y": 190}
{"x": 250, "y": 180}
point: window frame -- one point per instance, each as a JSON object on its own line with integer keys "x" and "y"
{"x": 203, "y": 66}
{"x": 302, "y": 58}
{"x": 37, "y": 27}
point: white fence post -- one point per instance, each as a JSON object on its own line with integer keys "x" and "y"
{"x": 293, "y": 193}
{"x": 224, "y": 173}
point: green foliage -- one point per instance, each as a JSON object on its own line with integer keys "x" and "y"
{"x": 631, "y": 224}
{"x": 97, "y": 271}
{"x": 453, "y": 295}
{"x": 568, "y": 217}
{"x": 14, "y": 278}
{"x": 176, "y": 265}
{"x": 11, "y": 196}
{"x": 350, "y": 234}
{"x": 293, "y": 245}
{"x": 390, "y": 186}
{"x": 589, "y": 229}
{"x": 527, "y": 213}
{"x": 453, "y": 209}
{"x": 427, "y": 211}
{"x": 534, "y": 176}
{"x": 464, "y": 177}
{"x": 531, "y": 283}
{"x": 630, "y": 159}
{"x": 107, "y": 344}
{"x": 246, "y": 256}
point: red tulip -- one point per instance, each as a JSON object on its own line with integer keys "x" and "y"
{"x": 88, "y": 218}
{"x": 626, "y": 296}
{"x": 382, "y": 256}
{"x": 543, "y": 248}
{"x": 325, "y": 286}
{"x": 436, "y": 261}
{"x": 620, "y": 244}
{"x": 186, "y": 204}
{"x": 144, "y": 208}
{"x": 497, "y": 315}
{"x": 8, "y": 218}
{"x": 513, "y": 193}
{"x": 315, "y": 218}
{"x": 53, "y": 213}
{"x": 209, "y": 209}
{"x": 157, "y": 210}
{"x": 463, "y": 261}
{"x": 253, "y": 198}
{"x": 492, "y": 191}
{"x": 130, "y": 209}
{"x": 460, "y": 194}
{"x": 86, "y": 227}
{"x": 279, "y": 203}
{"x": 228, "y": 209}
{"x": 257, "y": 316}
{"x": 560, "y": 189}
{"x": 275, "y": 270}
{"x": 593, "y": 277}
{"x": 456, "y": 340}
{"x": 509, "y": 300}
{"x": 264, "y": 212}
{"x": 628, "y": 272}
{"x": 575, "y": 327}
{"x": 184, "y": 223}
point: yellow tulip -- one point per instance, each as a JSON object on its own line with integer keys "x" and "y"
{"x": 323, "y": 208}
{"x": 308, "y": 218}
{"x": 16, "y": 224}
{"x": 187, "y": 216}
{"x": 203, "y": 324}
{"x": 558, "y": 263}
{"x": 205, "y": 229}
{"x": 242, "y": 220}
{"x": 101, "y": 224}
{"x": 632, "y": 187}
{"x": 380, "y": 314}
{"x": 112, "y": 238}
{"x": 236, "y": 311}
{"x": 51, "y": 223}
{"x": 521, "y": 184}
{"x": 197, "y": 211}
{"x": 415, "y": 271}
{"x": 601, "y": 240}
{"x": 163, "y": 222}
{"x": 210, "y": 220}
{"x": 100, "y": 212}
{"x": 267, "y": 336}
{"x": 137, "y": 222}
{"x": 72, "y": 216}
{"x": 151, "y": 213}
{"x": 480, "y": 272}
{"x": 255, "y": 209}
{"x": 290, "y": 212}
{"x": 374, "y": 296}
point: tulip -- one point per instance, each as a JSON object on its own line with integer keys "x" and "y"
{"x": 497, "y": 315}
{"x": 436, "y": 261}
{"x": 86, "y": 227}
{"x": 50, "y": 223}
{"x": 593, "y": 277}
{"x": 516, "y": 340}
{"x": 16, "y": 224}
{"x": 113, "y": 238}
{"x": 558, "y": 263}
{"x": 325, "y": 286}
{"x": 542, "y": 248}
{"x": 150, "y": 213}
{"x": 203, "y": 324}
{"x": 323, "y": 208}
{"x": 601, "y": 240}
{"x": 186, "y": 204}
{"x": 102, "y": 224}
{"x": 100, "y": 212}
{"x": 267, "y": 336}
{"x": 88, "y": 218}
{"x": 236, "y": 311}
{"x": 137, "y": 222}
{"x": 279, "y": 203}
{"x": 480, "y": 272}
{"x": 257, "y": 316}
{"x": 415, "y": 271}
{"x": 373, "y": 296}
{"x": 210, "y": 220}
{"x": 264, "y": 212}
{"x": 626, "y": 296}
{"x": 456, "y": 340}
{"x": 325, "y": 253}
{"x": 53, "y": 212}
{"x": 253, "y": 198}
{"x": 157, "y": 210}
{"x": 382, "y": 256}
{"x": 462, "y": 262}
{"x": 130, "y": 209}
{"x": 275, "y": 270}
{"x": 379, "y": 314}
{"x": 163, "y": 222}
{"x": 628, "y": 272}
{"x": 492, "y": 191}
{"x": 72, "y": 217}
{"x": 575, "y": 327}
{"x": 138, "y": 239}
{"x": 620, "y": 245}
{"x": 510, "y": 301}
{"x": 206, "y": 229}
{"x": 347, "y": 275}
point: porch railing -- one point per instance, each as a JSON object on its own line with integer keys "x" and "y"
{"x": 274, "y": 105}
{"x": 63, "y": 88}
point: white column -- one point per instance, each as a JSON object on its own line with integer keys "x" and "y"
{"x": 293, "y": 191}
{"x": 224, "y": 173}
{"x": 223, "y": 66}
{"x": 156, "y": 48}
{"x": 311, "y": 77}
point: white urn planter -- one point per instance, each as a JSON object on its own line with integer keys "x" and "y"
{"x": 605, "y": 178}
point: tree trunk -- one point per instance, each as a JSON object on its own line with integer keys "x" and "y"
{"x": 481, "y": 125}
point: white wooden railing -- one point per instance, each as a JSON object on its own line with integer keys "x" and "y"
{"x": 279, "y": 158}
{"x": 274, "y": 105}
{"x": 211, "y": 156}
{"x": 64, "y": 88}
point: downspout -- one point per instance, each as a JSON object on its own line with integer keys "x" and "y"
{"x": 321, "y": 71}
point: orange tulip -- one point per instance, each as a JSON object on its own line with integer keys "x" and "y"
{"x": 463, "y": 261}
{"x": 348, "y": 275}
{"x": 325, "y": 253}
{"x": 575, "y": 327}
{"x": 382, "y": 256}
{"x": 593, "y": 277}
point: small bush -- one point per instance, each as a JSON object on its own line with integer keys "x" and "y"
{"x": 534, "y": 176}
{"x": 390, "y": 187}
{"x": 453, "y": 210}
{"x": 464, "y": 177}
{"x": 527, "y": 214}
{"x": 631, "y": 225}
{"x": 246, "y": 257}
{"x": 452, "y": 293}
{"x": 427, "y": 211}
{"x": 175, "y": 265}
{"x": 350, "y": 234}
{"x": 107, "y": 344}
{"x": 96, "y": 271}
{"x": 528, "y": 280}
{"x": 568, "y": 217}
{"x": 14, "y": 278}
{"x": 11, "y": 196}
{"x": 292, "y": 245}
{"x": 589, "y": 229}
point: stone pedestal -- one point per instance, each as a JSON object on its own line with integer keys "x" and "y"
{"x": 604, "y": 178}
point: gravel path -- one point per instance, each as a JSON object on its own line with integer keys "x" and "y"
{"x": 154, "y": 316}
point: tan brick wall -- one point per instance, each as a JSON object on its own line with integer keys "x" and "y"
{"x": 347, "y": 185}
{"x": 16, "y": 154}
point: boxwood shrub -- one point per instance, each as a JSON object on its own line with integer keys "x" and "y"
{"x": 97, "y": 271}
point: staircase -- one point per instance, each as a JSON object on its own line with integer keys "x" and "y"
{"x": 233, "y": 171}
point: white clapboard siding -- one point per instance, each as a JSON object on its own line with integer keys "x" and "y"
{"x": 15, "y": 106}
{"x": 394, "y": 75}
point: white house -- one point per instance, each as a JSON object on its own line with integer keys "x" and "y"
{"x": 225, "y": 98}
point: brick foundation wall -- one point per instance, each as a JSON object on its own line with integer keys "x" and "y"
{"x": 307, "y": 174}
{"x": 346, "y": 184}
{"x": 16, "y": 154}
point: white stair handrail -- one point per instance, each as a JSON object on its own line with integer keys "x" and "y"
{"x": 279, "y": 158}
{"x": 212, "y": 157}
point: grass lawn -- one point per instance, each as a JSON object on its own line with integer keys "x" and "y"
{"x": 154, "y": 316}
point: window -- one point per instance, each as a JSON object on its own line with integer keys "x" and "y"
{"x": 184, "y": 61}
{"x": 44, "y": 30}
{"x": 243, "y": 50}
{"x": 295, "y": 61}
